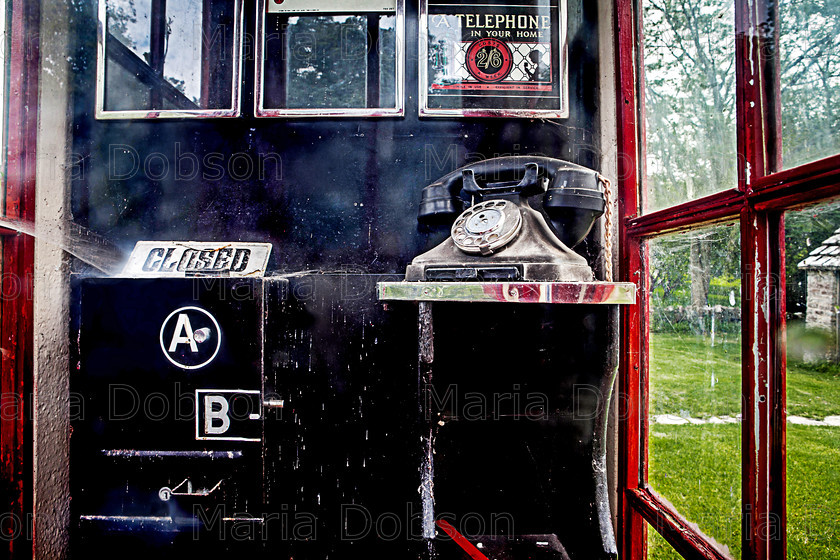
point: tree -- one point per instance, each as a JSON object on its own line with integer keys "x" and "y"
{"x": 119, "y": 15}
{"x": 690, "y": 110}
{"x": 809, "y": 48}
{"x": 690, "y": 99}
{"x": 690, "y": 113}
{"x": 327, "y": 64}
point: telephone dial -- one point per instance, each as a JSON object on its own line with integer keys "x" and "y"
{"x": 496, "y": 233}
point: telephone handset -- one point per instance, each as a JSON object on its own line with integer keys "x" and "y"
{"x": 496, "y": 234}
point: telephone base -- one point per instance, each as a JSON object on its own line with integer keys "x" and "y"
{"x": 497, "y": 272}
{"x": 475, "y": 274}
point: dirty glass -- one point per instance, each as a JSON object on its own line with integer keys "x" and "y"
{"x": 809, "y": 51}
{"x": 183, "y": 69}
{"x": 330, "y": 61}
{"x": 689, "y": 66}
{"x": 168, "y": 56}
{"x": 695, "y": 379}
{"x": 812, "y": 269}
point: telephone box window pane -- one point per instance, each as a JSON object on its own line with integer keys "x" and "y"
{"x": 809, "y": 51}
{"x": 129, "y": 29}
{"x": 659, "y": 548}
{"x": 183, "y": 49}
{"x": 168, "y": 58}
{"x": 689, "y": 56}
{"x": 333, "y": 60}
{"x": 129, "y": 21}
{"x": 327, "y": 62}
{"x": 388, "y": 61}
{"x": 812, "y": 266}
{"x": 694, "y": 439}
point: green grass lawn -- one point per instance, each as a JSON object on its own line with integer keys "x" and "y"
{"x": 813, "y": 390}
{"x": 689, "y": 377}
{"x": 813, "y": 493}
{"x": 697, "y": 467}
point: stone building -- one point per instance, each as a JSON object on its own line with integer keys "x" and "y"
{"x": 823, "y": 268}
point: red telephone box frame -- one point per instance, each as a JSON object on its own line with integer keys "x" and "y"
{"x": 16, "y": 286}
{"x": 758, "y": 203}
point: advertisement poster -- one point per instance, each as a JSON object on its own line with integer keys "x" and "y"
{"x": 495, "y": 56}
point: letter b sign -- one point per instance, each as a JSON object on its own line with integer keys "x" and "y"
{"x": 228, "y": 414}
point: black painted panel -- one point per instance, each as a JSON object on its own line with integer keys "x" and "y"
{"x": 517, "y": 402}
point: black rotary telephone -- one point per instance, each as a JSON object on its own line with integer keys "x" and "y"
{"x": 496, "y": 235}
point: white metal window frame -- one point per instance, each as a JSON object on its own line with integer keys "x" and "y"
{"x": 101, "y": 63}
{"x": 398, "y": 110}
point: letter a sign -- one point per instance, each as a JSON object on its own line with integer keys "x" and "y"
{"x": 190, "y": 337}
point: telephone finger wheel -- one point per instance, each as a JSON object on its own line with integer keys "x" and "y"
{"x": 487, "y": 227}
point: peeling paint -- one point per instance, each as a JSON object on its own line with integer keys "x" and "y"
{"x": 427, "y": 489}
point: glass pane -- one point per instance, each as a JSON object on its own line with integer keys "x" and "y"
{"x": 695, "y": 378}
{"x": 129, "y": 27}
{"x": 388, "y": 61}
{"x": 812, "y": 247}
{"x": 129, "y": 21}
{"x": 182, "y": 66}
{"x": 177, "y": 58}
{"x": 809, "y": 49}
{"x": 689, "y": 99}
{"x": 330, "y": 61}
{"x": 658, "y": 547}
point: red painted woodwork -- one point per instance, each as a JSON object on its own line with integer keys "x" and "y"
{"x": 631, "y": 531}
{"x": 17, "y": 277}
{"x": 719, "y": 207}
{"x": 684, "y": 538}
{"x": 759, "y": 202}
{"x": 806, "y": 184}
{"x": 755, "y": 390}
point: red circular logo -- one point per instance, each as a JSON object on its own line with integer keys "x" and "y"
{"x": 489, "y": 60}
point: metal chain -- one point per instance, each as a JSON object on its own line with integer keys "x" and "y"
{"x": 608, "y": 258}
